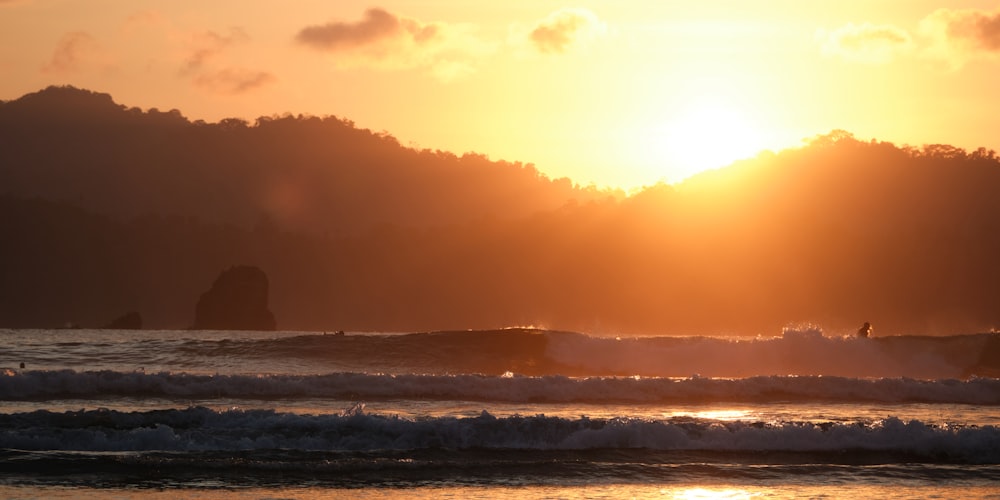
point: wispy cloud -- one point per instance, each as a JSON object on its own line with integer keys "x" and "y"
{"x": 233, "y": 80}
{"x": 74, "y": 52}
{"x": 386, "y": 41}
{"x": 959, "y": 35}
{"x": 865, "y": 43}
{"x": 955, "y": 36}
{"x": 205, "y": 46}
{"x": 564, "y": 29}
{"x": 201, "y": 62}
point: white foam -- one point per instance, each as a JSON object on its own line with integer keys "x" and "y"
{"x": 198, "y": 429}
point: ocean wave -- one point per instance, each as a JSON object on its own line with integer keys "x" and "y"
{"x": 804, "y": 352}
{"x": 798, "y": 351}
{"x": 63, "y": 384}
{"x": 203, "y": 429}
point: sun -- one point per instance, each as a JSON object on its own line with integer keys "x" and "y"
{"x": 705, "y": 134}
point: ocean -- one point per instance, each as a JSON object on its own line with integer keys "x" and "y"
{"x": 512, "y": 413}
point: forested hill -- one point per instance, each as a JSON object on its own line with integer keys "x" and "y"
{"x": 837, "y": 232}
{"x": 313, "y": 174}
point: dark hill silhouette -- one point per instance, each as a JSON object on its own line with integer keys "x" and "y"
{"x": 843, "y": 227}
{"x": 837, "y": 232}
{"x": 303, "y": 173}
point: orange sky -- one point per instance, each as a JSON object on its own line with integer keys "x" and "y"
{"x": 617, "y": 93}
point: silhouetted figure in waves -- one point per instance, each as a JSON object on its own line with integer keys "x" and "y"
{"x": 865, "y": 331}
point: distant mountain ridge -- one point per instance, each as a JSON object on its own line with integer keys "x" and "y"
{"x": 105, "y": 209}
{"x": 302, "y": 173}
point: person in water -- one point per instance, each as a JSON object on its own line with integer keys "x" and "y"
{"x": 865, "y": 330}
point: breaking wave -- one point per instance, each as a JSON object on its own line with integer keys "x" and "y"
{"x": 41, "y": 385}
{"x": 203, "y": 429}
{"x": 803, "y": 352}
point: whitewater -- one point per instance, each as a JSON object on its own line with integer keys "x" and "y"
{"x": 511, "y": 413}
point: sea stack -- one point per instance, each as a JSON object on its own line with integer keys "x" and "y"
{"x": 236, "y": 301}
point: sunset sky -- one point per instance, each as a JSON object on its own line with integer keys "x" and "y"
{"x": 616, "y": 93}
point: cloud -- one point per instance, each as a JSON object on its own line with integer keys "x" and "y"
{"x": 233, "y": 81}
{"x": 201, "y": 62}
{"x": 959, "y": 35}
{"x": 378, "y": 29}
{"x": 955, "y": 36}
{"x": 207, "y": 45}
{"x": 74, "y": 52}
{"x": 865, "y": 43}
{"x": 564, "y": 29}
{"x": 385, "y": 41}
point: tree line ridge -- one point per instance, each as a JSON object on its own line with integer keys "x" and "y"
{"x": 106, "y": 209}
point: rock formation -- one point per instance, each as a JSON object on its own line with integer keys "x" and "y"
{"x": 236, "y": 301}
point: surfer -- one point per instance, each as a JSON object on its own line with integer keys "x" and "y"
{"x": 865, "y": 330}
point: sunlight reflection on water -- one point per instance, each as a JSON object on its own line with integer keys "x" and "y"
{"x": 711, "y": 494}
{"x": 628, "y": 491}
{"x": 727, "y": 415}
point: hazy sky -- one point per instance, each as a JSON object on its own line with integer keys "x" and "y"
{"x": 618, "y": 93}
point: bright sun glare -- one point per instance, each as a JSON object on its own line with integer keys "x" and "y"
{"x": 704, "y": 135}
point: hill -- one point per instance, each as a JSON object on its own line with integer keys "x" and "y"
{"x": 303, "y": 173}
{"x": 837, "y": 232}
